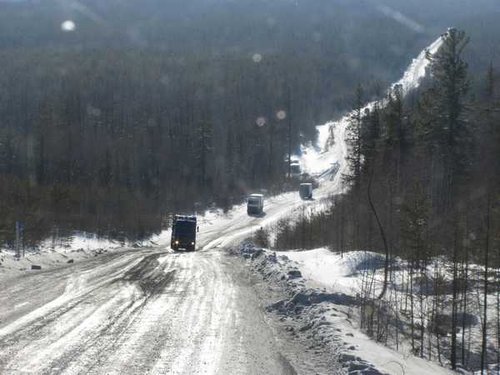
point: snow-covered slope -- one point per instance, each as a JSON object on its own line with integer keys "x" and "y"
{"x": 323, "y": 306}
{"x": 328, "y": 273}
{"x": 326, "y": 158}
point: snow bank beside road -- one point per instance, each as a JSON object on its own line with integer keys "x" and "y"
{"x": 321, "y": 307}
{"x": 56, "y": 253}
{"x": 333, "y": 271}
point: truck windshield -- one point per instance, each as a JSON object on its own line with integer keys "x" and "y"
{"x": 253, "y": 201}
{"x": 186, "y": 228}
{"x": 295, "y": 168}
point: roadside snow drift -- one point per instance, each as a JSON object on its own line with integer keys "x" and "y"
{"x": 323, "y": 290}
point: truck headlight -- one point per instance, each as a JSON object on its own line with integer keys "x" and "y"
{"x": 176, "y": 242}
{"x": 192, "y": 243}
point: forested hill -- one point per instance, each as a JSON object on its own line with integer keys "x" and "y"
{"x": 140, "y": 109}
{"x": 423, "y": 182}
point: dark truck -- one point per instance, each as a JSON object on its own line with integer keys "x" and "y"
{"x": 184, "y": 230}
{"x": 255, "y": 204}
{"x": 306, "y": 190}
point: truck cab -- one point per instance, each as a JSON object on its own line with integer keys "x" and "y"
{"x": 306, "y": 190}
{"x": 184, "y": 230}
{"x": 295, "y": 170}
{"x": 255, "y": 204}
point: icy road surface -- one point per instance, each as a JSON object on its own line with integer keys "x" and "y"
{"x": 137, "y": 313}
{"x": 146, "y": 311}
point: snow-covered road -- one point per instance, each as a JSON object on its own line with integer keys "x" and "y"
{"x": 138, "y": 312}
{"x": 149, "y": 310}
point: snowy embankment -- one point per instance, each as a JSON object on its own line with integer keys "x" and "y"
{"x": 51, "y": 254}
{"x": 322, "y": 304}
{"x": 325, "y": 158}
{"x": 350, "y": 273}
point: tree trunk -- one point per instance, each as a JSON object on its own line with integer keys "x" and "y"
{"x": 382, "y": 234}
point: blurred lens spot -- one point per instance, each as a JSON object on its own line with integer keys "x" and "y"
{"x": 68, "y": 26}
{"x": 257, "y": 57}
{"x": 281, "y": 115}
{"x": 261, "y": 121}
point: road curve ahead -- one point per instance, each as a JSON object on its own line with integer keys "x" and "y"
{"x": 153, "y": 311}
{"x": 137, "y": 312}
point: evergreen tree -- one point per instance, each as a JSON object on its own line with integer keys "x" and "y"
{"x": 354, "y": 140}
{"x": 449, "y": 131}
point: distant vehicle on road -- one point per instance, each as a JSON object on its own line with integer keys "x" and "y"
{"x": 184, "y": 230}
{"x": 295, "y": 170}
{"x": 306, "y": 190}
{"x": 255, "y": 204}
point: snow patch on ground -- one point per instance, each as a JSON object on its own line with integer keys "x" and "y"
{"x": 332, "y": 271}
{"x": 56, "y": 253}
